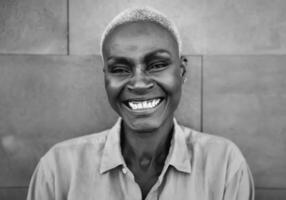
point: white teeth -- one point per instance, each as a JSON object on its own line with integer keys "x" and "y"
{"x": 136, "y": 105}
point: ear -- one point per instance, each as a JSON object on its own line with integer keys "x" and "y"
{"x": 183, "y": 65}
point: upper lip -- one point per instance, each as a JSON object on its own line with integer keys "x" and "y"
{"x": 141, "y": 99}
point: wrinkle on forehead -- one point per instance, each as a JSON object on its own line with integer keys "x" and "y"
{"x": 142, "y": 28}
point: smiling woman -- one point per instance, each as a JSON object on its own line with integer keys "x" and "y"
{"x": 142, "y": 64}
{"x": 147, "y": 154}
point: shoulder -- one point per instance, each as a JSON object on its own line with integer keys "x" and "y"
{"x": 213, "y": 146}
{"x": 215, "y": 154}
{"x": 95, "y": 139}
{"x": 205, "y": 139}
{"x": 76, "y": 148}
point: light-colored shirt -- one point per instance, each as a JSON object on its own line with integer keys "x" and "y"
{"x": 199, "y": 166}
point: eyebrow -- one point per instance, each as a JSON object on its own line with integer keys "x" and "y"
{"x": 151, "y": 55}
{"x": 157, "y": 53}
{"x": 115, "y": 59}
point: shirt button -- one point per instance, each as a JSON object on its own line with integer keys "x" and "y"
{"x": 124, "y": 170}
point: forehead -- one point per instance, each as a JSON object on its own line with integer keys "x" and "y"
{"x": 139, "y": 38}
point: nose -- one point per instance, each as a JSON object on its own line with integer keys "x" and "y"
{"x": 140, "y": 82}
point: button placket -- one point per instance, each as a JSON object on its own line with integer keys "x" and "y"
{"x": 124, "y": 170}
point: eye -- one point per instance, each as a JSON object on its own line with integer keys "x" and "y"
{"x": 119, "y": 69}
{"x": 157, "y": 66}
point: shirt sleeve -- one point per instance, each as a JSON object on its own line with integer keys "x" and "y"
{"x": 240, "y": 186}
{"x": 41, "y": 185}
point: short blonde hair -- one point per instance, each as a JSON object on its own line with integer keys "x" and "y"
{"x": 145, "y": 14}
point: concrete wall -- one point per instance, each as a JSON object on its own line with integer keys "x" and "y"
{"x": 51, "y": 80}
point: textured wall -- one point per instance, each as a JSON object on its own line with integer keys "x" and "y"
{"x": 51, "y": 86}
{"x": 248, "y": 93}
{"x": 207, "y": 26}
{"x": 33, "y": 26}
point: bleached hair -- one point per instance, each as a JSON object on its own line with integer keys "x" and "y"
{"x": 144, "y": 14}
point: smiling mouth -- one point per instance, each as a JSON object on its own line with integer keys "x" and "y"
{"x": 138, "y": 105}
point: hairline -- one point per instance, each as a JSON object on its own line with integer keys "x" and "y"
{"x": 137, "y": 15}
{"x": 107, "y": 37}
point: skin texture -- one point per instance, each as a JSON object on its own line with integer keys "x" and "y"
{"x": 141, "y": 62}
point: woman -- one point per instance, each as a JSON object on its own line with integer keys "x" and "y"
{"x": 146, "y": 154}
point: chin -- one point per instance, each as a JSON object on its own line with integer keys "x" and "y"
{"x": 143, "y": 126}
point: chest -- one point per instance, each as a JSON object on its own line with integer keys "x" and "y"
{"x": 120, "y": 185}
{"x": 146, "y": 173}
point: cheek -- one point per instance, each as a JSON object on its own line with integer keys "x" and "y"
{"x": 113, "y": 87}
{"x": 171, "y": 83}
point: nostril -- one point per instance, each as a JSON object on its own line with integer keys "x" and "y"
{"x": 140, "y": 86}
{"x": 140, "y": 82}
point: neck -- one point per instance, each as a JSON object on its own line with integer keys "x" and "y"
{"x": 151, "y": 144}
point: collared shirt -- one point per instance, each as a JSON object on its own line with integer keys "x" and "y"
{"x": 199, "y": 166}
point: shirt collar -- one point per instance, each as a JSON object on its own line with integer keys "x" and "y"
{"x": 179, "y": 154}
{"x": 112, "y": 156}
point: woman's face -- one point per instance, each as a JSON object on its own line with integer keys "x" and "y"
{"x": 143, "y": 75}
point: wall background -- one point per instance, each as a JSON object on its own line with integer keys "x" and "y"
{"x": 51, "y": 83}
